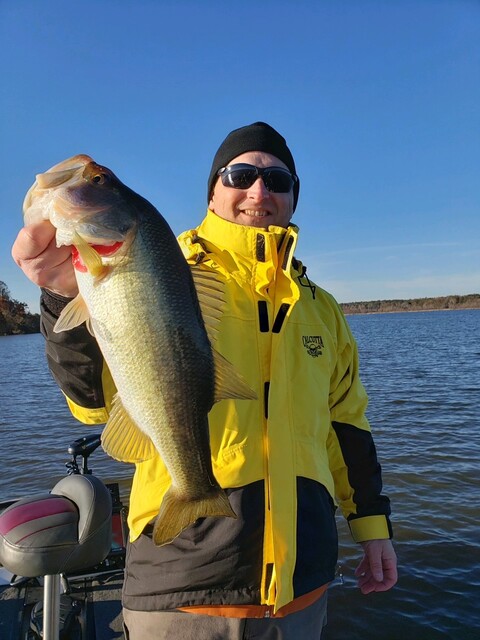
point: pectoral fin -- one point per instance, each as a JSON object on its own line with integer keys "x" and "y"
{"x": 90, "y": 258}
{"x": 73, "y": 315}
{"x": 122, "y": 439}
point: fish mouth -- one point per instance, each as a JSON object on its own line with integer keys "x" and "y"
{"x": 61, "y": 194}
{"x": 103, "y": 250}
{"x": 36, "y": 204}
{"x": 80, "y": 161}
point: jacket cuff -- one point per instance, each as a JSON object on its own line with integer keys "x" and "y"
{"x": 53, "y": 302}
{"x": 370, "y": 528}
{"x": 87, "y": 415}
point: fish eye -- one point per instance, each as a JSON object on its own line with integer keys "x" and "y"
{"x": 99, "y": 178}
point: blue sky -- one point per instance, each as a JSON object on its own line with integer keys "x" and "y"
{"x": 378, "y": 100}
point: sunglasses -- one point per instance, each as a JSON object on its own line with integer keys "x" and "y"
{"x": 242, "y": 176}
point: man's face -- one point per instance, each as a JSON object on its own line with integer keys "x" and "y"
{"x": 255, "y": 206}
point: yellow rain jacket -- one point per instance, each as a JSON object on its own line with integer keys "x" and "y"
{"x": 306, "y": 435}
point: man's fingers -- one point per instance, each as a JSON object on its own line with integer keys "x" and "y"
{"x": 45, "y": 264}
{"x": 32, "y": 241}
{"x": 377, "y": 570}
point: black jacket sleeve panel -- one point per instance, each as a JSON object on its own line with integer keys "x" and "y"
{"x": 364, "y": 471}
{"x": 73, "y": 356}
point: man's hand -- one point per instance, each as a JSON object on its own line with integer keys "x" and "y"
{"x": 42, "y": 262}
{"x": 378, "y": 569}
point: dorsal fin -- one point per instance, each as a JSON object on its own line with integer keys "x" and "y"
{"x": 228, "y": 382}
{"x": 210, "y": 292}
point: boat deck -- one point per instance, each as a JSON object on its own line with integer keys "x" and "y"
{"x": 99, "y": 612}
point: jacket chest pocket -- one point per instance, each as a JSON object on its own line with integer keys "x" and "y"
{"x": 301, "y": 377}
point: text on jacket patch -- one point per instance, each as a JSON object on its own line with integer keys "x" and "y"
{"x": 313, "y": 345}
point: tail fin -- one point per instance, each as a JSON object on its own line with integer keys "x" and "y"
{"x": 176, "y": 515}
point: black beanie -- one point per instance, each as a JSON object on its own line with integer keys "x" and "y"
{"x": 258, "y": 136}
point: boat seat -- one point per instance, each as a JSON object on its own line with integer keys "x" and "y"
{"x": 64, "y": 531}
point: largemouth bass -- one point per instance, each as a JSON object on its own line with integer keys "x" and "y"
{"x": 139, "y": 299}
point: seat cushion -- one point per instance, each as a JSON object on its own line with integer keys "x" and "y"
{"x": 51, "y": 533}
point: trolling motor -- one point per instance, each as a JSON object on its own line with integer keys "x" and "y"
{"x": 82, "y": 447}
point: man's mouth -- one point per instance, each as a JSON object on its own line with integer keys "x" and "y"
{"x": 256, "y": 213}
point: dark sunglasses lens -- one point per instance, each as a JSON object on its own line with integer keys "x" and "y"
{"x": 277, "y": 181}
{"x": 239, "y": 178}
{"x": 242, "y": 177}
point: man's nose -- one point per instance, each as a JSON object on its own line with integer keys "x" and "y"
{"x": 258, "y": 189}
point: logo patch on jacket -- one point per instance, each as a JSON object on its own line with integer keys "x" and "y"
{"x": 313, "y": 345}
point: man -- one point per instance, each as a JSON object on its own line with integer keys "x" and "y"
{"x": 282, "y": 459}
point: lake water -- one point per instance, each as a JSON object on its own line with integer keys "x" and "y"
{"x": 422, "y": 372}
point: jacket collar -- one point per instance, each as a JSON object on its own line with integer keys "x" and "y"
{"x": 257, "y": 245}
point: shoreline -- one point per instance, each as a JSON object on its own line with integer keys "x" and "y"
{"x": 452, "y": 302}
{"x": 419, "y": 310}
{"x": 371, "y": 313}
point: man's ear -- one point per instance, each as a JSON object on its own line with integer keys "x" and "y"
{"x": 211, "y": 204}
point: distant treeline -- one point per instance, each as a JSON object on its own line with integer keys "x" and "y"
{"x": 471, "y": 301}
{"x": 14, "y": 317}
